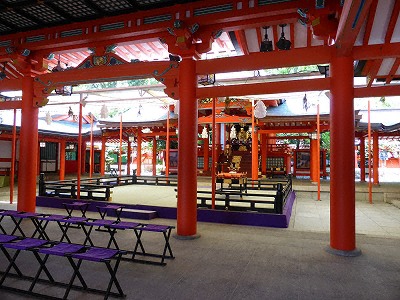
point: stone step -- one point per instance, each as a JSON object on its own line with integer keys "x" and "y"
{"x": 136, "y": 214}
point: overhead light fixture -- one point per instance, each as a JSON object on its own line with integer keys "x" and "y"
{"x": 283, "y": 43}
{"x": 324, "y": 70}
{"x": 3, "y": 74}
{"x": 42, "y": 144}
{"x": 266, "y": 44}
{"x": 58, "y": 68}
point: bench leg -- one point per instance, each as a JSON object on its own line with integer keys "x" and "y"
{"x": 76, "y": 273}
{"x": 167, "y": 235}
{"x": 17, "y": 226}
{"x": 8, "y": 256}
{"x": 112, "y": 233}
{"x": 64, "y": 230}
{"x": 113, "y": 279}
{"x": 42, "y": 263}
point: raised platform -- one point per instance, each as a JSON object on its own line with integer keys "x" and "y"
{"x": 140, "y": 211}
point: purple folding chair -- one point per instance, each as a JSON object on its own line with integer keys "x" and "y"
{"x": 20, "y": 245}
{"x": 103, "y": 255}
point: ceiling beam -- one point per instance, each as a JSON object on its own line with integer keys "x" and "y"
{"x": 302, "y": 85}
{"x": 353, "y": 16}
{"x": 380, "y": 91}
{"x": 266, "y": 60}
{"x": 10, "y": 105}
{"x": 379, "y": 51}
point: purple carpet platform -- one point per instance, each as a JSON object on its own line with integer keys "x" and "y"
{"x": 203, "y": 215}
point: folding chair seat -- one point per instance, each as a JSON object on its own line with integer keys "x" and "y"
{"x": 43, "y": 221}
{"x": 113, "y": 228}
{"x": 82, "y": 206}
{"x": 6, "y": 239}
{"x": 103, "y": 255}
{"x": 66, "y": 224}
{"x": 20, "y": 245}
{"x": 166, "y": 231}
{"x": 117, "y": 209}
{"x": 96, "y": 223}
{"x": 61, "y": 249}
{"x": 19, "y": 216}
{"x": 6, "y": 213}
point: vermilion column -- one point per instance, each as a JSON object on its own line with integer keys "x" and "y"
{"x": 218, "y": 138}
{"x": 28, "y": 150}
{"x": 103, "y": 156}
{"x": 139, "y": 152}
{"x": 187, "y": 149}
{"x": 206, "y": 149}
{"x": 128, "y": 158}
{"x": 264, "y": 147}
{"x": 362, "y": 158}
{"x": 154, "y": 156}
{"x": 375, "y": 156}
{"x": 314, "y": 160}
{"x": 62, "y": 160}
{"x": 342, "y": 184}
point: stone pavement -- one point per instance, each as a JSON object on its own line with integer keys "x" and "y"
{"x": 243, "y": 262}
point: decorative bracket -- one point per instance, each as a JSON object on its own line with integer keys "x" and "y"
{"x": 171, "y": 66}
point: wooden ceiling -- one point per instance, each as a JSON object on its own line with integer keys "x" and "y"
{"x": 67, "y": 32}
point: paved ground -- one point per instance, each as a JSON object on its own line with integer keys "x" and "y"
{"x": 243, "y": 262}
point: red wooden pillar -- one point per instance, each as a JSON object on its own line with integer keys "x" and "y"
{"x": 254, "y": 147}
{"x": 13, "y": 157}
{"x": 362, "y": 158}
{"x": 28, "y": 150}
{"x": 62, "y": 160}
{"x": 139, "y": 152}
{"x": 167, "y": 142}
{"x": 217, "y": 142}
{"x": 206, "y": 152}
{"x": 264, "y": 148}
{"x": 154, "y": 156}
{"x": 128, "y": 158}
{"x": 187, "y": 149}
{"x": 83, "y": 157}
{"x": 375, "y": 156}
{"x": 314, "y": 160}
{"x": 103, "y": 156}
{"x": 342, "y": 184}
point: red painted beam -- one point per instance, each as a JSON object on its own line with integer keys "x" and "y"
{"x": 353, "y": 15}
{"x": 379, "y": 51}
{"x": 10, "y": 105}
{"x": 389, "y": 90}
{"x": 266, "y": 60}
{"x": 265, "y": 88}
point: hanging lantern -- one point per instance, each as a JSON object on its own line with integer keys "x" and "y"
{"x": 65, "y": 90}
{"x": 233, "y": 133}
{"x": 204, "y": 134}
{"x": 208, "y": 79}
{"x": 49, "y": 119}
{"x": 176, "y": 108}
{"x": 104, "y": 112}
{"x": 260, "y": 110}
